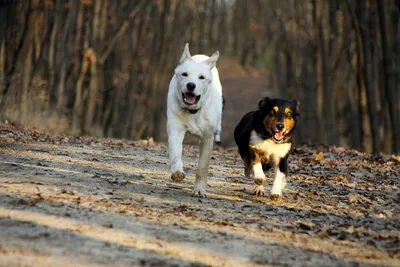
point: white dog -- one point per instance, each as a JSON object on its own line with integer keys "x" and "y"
{"x": 194, "y": 106}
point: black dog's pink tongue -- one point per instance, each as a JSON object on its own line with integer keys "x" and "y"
{"x": 278, "y": 135}
{"x": 190, "y": 98}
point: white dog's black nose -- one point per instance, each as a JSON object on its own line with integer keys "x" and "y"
{"x": 190, "y": 86}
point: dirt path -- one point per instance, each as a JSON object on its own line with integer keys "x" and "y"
{"x": 87, "y": 202}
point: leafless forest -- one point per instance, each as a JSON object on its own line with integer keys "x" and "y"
{"x": 102, "y": 67}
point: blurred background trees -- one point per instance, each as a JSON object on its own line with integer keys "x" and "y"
{"x": 102, "y": 67}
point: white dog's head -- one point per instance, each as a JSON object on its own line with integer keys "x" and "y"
{"x": 194, "y": 77}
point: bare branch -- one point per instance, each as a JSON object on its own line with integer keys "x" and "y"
{"x": 121, "y": 30}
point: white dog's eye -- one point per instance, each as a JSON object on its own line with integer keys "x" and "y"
{"x": 201, "y": 77}
{"x": 185, "y": 74}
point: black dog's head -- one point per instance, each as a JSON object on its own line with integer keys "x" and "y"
{"x": 279, "y": 117}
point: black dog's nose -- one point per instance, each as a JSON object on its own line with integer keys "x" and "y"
{"x": 280, "y": 126}
{"x": 190, "y": 86}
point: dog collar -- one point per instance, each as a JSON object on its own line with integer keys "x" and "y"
{"x": 191, "y": 111}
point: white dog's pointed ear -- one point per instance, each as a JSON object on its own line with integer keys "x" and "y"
{"x": 212, "y": 61}
{"x": 186, "y": 54}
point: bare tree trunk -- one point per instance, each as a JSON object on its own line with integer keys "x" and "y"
{"x": 359, "y": 102}
{"x": 352, "y": 56}
{"x": 93, "y": 78}
{"x": 100, "y": 68}
{"x": 65, "y": 44}
{"x": 308, "y": 104}
{"x": 17, "y": 51}
{"x": 3, "y": 25}
{"x": 280, "y": 81}
{"x": 222, "y": 39}
{"x": 92, "y": 97}
{"x": 388, "y": 81}
{"x": 371, "y": 98}
{"x": 395, "y": 32}
{"x": 25, "y": 103}
{"x": 51, "y": 55}
{"x": 78, "y": 102}
{"x": 316, "y": 62}
{"x": 290, "y": 82}
{"x": 328, "y": 95}
{"x": 5, "y": 14}
{"x": 2, "y": 68}
{"x": 211, "y": 23}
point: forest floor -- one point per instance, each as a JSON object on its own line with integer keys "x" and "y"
{"x": 78, "y": 201}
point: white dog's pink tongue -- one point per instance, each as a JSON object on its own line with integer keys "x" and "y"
{"x": 190, "y": 98}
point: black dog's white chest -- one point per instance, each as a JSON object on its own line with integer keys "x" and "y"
{"x": 268, "y": 147}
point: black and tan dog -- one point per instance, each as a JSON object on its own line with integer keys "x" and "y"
{"x": 263, "y": 138}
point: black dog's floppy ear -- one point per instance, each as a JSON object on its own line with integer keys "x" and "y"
{"x": 295, "y": 107}
{"x": 263, "y": 102}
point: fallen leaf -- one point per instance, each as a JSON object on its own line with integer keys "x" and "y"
{"x": 340, "y": 179}
{"x": 396, "y": 158}
{"x": 31, "y": 202}
{"x": 311, "y": 194}
{"x": 144, "y": 142}
{"x": 322, "y": 234}
{"x": 319, "y": 156}
{"x": 190, "y": 214}
{"x": 352, "y": 198}
{"x": 305, "y": 226}
{"x": 224, "y": 222}
{"x": 332, "y": 162}
{"x": 151, "y": 142}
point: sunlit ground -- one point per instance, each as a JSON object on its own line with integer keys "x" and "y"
{"x": 101, "y": 204}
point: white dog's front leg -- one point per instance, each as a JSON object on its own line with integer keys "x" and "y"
{"x": 200, "y": 184}
{"x": 175, "y": 140}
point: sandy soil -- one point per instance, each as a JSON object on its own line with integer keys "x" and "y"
{"x": 68, "y": 201}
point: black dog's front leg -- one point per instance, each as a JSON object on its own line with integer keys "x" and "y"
{"x": 283, "y": 165}
{"x": 281, "y": 170}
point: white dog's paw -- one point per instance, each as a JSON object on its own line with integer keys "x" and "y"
{"x": 177, "y": 176}
{"x": 259, "y": 191}
{"x": 199, "y": 190}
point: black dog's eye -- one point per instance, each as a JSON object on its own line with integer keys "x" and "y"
{"x": 201, "y": 77}
{"x": 273, "y": 113}
{"x": 185, "y": 74}
{"x": 289, "y": 114}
